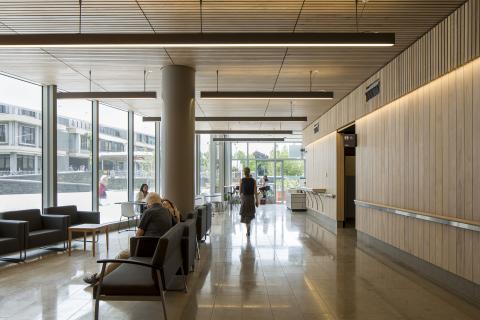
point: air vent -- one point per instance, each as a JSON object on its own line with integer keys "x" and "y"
{"x": 372, "y": 90}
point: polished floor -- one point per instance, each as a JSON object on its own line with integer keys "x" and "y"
{"x": 279, "y": 273}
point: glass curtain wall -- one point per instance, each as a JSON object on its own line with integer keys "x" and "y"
{"x": 113, "y": 161}
{"x": 239, "y": 161}
{"x": 204, "y": 167}
{"x": 74, "y": 153}
{"x": 20, "y": 145}
{"x": 282, "y": 163}
{"x": 144, "y": 154}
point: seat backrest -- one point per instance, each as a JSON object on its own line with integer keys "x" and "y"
{"x": 64, "y": 210}
{"x": 128, "y": 210}
{"x": 168, "y": 254}
{"x": 32, "y": 216}
{"x": 189, "y": 229}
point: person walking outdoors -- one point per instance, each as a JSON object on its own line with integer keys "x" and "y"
{"x": 249, "y": 199}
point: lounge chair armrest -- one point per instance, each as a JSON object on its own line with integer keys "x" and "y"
{"x": 89, "y": 216}
{"x": 13, "y": 228}
{"x": 50, "y": 221}
{"x": 139, "y": 263}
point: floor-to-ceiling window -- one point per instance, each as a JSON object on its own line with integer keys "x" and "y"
{"x": 289, "y": 159}
{"x": 144, "y": 154}
{"x": 20, "y": 144}
{"x": 204, "y": 166}
{"x": 113, "y": 161}
{"x": 239, "y": 161}
{"x": 74, "y": 153}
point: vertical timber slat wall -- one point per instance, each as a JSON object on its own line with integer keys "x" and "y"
{"x": 420, "y": 149}
{"x": 418, "y": 153}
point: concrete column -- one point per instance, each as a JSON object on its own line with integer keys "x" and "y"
{"x": 178, "y": 136}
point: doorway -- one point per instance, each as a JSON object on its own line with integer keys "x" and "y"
{"x": 273, "y": 169}
{"x": 350, "y": 142}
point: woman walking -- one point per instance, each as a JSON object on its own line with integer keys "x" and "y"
{"x": 249, "y": 199}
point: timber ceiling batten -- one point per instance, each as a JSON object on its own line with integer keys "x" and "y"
{"x": 119, "y": 69}
{"x": 153, "y": 29}
{"x": 284, "y": 56}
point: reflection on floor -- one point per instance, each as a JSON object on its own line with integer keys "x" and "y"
{"x": 278, "y": 274}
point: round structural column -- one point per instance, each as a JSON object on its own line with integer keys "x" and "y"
{"x": 178, "y": 136}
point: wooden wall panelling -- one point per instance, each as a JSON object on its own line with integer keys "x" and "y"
{"x": 433, "y": 163}
{"x": 340, "y": 176}
{"x": 476, "y": 166}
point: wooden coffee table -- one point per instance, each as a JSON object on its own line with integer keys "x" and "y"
{"x": 87, "y": 228}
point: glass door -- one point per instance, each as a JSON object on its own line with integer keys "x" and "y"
{"x": 279, "y": 182}
{"x": 266, "y": 168}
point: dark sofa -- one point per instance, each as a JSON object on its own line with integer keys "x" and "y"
{"x": 42, "y": 230}
{"x": 76, "y": 217}
{"x": 204, "y": 220}
{"x": 12, "y": 237}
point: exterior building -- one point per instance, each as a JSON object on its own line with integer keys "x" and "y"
{"x": 21, "y": 143}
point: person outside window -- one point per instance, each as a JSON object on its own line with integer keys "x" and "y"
{"x": 249, "y": 199}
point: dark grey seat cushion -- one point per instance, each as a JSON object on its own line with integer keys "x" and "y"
{"x": 129, "y": 280}
{"x": 8, "y": 245}
{"x": 44, "y": 237}
{"x": 33, "y": 217}
{"x": 65, "y": 210}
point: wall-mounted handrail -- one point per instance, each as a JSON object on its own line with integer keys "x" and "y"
{"x": 450, "y": 221}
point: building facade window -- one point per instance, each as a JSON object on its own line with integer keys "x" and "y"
{"x": 85, "y": 142}
{"x": 25, "y": 163}
{"x": 4, "y": 164}
{"x": 27, "y": 135}
{"x": 3, "y": 133}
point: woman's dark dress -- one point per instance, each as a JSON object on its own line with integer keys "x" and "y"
{"x": 247, "y": 208}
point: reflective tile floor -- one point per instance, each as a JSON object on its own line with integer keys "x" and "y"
{"x": 278, "y": 274}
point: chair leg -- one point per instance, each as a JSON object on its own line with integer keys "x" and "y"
{"x": 198, "y": 250}
{"x": 164, "y": 304}
{"x": 97, "y": 302}
{"x": 185, "y": 288}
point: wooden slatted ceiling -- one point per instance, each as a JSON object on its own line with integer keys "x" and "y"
{"x": 339, "y": 70}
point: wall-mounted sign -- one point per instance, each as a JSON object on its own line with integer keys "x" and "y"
{"x": 349, "y": 140}
{"x": 372, "y": 90}
{"x": 316, "y": 128}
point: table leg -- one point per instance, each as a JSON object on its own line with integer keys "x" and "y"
{"x": 106, "y": 236}
{"x": 93, "y": 243}
{"x": 84, "y": 241}
{"x": 69, "y": 242}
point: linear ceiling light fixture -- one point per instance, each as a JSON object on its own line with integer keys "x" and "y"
{"x": 250, "y": 139}
{"x": 197, "y": 40}
{"x": 295, "y": 95}
{"x": 238, "y": 119}
{"x": 108, "y": 95}
{"x": 244, "y": 132}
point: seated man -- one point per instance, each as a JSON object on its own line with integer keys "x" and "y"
{"x": 263, "y": 186}
{"x": 156, "y": 220}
